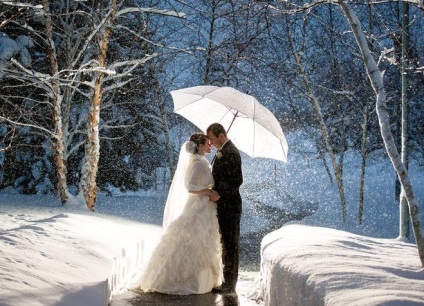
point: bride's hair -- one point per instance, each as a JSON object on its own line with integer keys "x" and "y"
{"x": 198, "y": 138}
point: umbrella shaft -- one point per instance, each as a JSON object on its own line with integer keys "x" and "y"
{"x": 235, "y": 115}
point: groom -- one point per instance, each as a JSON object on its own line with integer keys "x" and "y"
{"x": 228, "y": 177}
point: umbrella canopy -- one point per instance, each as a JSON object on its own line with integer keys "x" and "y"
{"x": 252, "y": 127}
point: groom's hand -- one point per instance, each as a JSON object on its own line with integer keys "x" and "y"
{"x": 214, "y": 196}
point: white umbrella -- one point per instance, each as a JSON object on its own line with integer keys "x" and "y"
{"x": 251, "y": 126}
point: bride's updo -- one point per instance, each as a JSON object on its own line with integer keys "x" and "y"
{"x": 196, "y": 139}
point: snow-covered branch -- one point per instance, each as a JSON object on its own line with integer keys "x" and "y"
{"x": 133, "y": 63}
{"x": 117, "y": 85}
{"x": 38, "y": 75}
{"x": 295, "y": 8}
{"x": 418, "y": 3}
{"x": 74, "y": 148}
{"x": 125, "y": 126}
{"x": 90, "y": 38}
{"x": 28, "y": 125}
{"x": 152, "y": 42}
{"x": 150, "y": 10}
{"x": 120, "y": 126}
{"x": 384, "y": 56}
{"x": 10, "y": 135}
{"x": 22, "y": 4}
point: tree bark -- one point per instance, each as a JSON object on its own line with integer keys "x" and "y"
{"x": 403, "y": 205}
{"x": 92, "y": 145}
{"x": 56, "y": 97}
{"x": 364, "y": 158}
{"x": 376, "y": 78}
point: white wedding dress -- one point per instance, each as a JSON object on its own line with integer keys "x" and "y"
{"x": 187, "y": 259}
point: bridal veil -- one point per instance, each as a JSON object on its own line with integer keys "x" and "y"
{"x": 178, "y": 194}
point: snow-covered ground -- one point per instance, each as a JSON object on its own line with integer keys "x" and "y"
{"x": 53, "y": 255}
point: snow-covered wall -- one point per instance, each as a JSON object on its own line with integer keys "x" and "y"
{"x": 53, "y": 255}
{"x": 308, "y": 265}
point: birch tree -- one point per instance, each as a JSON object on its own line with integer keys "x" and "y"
{"x": 92, "y": 146}
{"x": 403, "y": 205}
{"x": 376, "y": 79}
{"x": 45, "y": 83}
{"x": 88, "y": 185}
{"x": 56, "y": 97}
{"x": 375, "y": 76}
{"x": 75, "y": 77}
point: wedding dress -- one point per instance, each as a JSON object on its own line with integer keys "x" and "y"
{"x": 187, "y": 259}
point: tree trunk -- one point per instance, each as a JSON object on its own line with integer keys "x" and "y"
{"x": 9, "y": 160}
{"x": 209, "y": 51}
{"x": 164, "y": 120}
{"x": 92, "y": 145}
{"x": 377, "y": 83}
{"x": 317, "y": 108}
{"x": 58, "y": 147}
{"x": 403, "y": 205}
{"x": 323, "y": 127}
{"x": 364, "y": 158}
{"x": 365, "y": 135}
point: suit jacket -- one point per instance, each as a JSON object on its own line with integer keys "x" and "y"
{"x": 228, "y": 178}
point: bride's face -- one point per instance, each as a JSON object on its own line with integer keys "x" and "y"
{"x": 204, "y": 148}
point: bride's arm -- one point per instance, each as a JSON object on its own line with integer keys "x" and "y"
{"x": 202, "y": 192}
{"x": 193, "y": 180}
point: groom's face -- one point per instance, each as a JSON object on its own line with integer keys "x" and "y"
{"x": 215, "y": 141}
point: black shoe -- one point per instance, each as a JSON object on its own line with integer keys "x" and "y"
{"x": 216, "y": 290}
{"x": 220, "y": 290}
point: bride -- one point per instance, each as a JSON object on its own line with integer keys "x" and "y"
{"x": 187, "y": 259}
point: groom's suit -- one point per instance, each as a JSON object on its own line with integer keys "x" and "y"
{"x": 228, "y": 177}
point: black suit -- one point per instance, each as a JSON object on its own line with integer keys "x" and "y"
{"x": 228, "y": 177}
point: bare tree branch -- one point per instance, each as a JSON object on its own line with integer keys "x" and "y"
{"x": 12, "y": 132}
{"x": 28, "y": 125}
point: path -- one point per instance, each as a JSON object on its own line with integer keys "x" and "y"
{"x": 245, "y": 286}
{"x": 208, "y": 299}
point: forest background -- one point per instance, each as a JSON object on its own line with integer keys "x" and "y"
{"x": 84, "y": 95}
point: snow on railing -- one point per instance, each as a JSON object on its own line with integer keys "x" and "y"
{"x": 129, "y": 263}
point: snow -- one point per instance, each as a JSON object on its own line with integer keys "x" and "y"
{"x": 54, "y": 255}
{"x": 59, "y": 256}
{"x": 306, "y": 265}
{"x": 9, "y": 48}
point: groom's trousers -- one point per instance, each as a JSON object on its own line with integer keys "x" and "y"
{"x": 230, "y": 237}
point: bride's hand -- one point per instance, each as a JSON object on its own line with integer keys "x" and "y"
{"x": 214, "y": 196}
